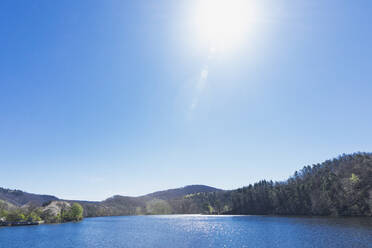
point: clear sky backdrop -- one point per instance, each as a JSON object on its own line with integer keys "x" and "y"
{"x": 123, "y": 97}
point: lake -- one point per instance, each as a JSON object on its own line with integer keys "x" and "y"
{"x": 194, "y": 231}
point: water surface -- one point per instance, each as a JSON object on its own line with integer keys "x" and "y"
{"x": 194, "y": 231}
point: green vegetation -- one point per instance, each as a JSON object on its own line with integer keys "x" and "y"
{"x": 158, "y": 206}
{"x": 19, "y": 215}
{"x": 60, "y": 212}
{"x": 75, "y": 213}
{"x": 15, "y": 216}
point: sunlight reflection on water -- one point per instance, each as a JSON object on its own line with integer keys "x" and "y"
{"x": 195, "y": 231}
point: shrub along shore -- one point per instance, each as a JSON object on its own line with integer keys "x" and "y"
{"x": 53, "y": 212}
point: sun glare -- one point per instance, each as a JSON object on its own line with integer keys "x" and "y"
{"x": 224, "y": 23}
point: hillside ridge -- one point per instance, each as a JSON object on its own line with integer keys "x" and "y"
{"x": 341, "y": 187}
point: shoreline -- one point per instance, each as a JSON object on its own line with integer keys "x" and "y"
{"x": 21, "y": 223}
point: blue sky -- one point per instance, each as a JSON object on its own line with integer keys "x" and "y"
{"x": 126, "y": 97}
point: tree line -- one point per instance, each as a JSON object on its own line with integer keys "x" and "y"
{"x": 338, "y": 187}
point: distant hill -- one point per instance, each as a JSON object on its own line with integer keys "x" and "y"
{"x": 181, "y": 192}
{"x": 160, "y": 202}
{"x": 20, "y": 198}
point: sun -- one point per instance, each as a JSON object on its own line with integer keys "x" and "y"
{"x": 223, "y": 24}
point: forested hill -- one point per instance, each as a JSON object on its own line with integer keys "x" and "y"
{"x": 339, "y": 187}
{"x": 19, "y": 198}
